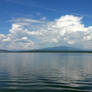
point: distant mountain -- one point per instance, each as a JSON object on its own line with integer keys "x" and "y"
{"x": 57, "y": 49}
{"x": 51, "y": 49}
{"x": 60, "y": 48}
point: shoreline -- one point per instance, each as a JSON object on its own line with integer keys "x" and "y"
{"x": 46, "y": 52}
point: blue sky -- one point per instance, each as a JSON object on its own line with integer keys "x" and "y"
{"x": 38, "y": 8}
{"x": 48, "y": 10}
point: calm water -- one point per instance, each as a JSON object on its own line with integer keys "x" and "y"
{"x": 45, "y": 72}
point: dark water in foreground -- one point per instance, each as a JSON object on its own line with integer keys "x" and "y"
{"x": 45, "y": 72}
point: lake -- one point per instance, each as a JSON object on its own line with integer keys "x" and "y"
{"x": 45, "y": 72}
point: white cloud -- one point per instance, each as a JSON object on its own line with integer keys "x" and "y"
{"x": 25, "y": 20}
{"x": 31, "y": 34}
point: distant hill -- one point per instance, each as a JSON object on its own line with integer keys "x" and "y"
{"x": 51, "y": 49}
{"x": 60, "y": 48}
{"x": 57, "y": 49}
{"x": 3, "y": 50}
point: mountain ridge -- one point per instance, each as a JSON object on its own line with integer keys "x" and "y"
{"x": 60, "y": 48}
{"x": 57, "y": 49}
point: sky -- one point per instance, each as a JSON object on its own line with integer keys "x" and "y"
{"x": 34, "y": 24}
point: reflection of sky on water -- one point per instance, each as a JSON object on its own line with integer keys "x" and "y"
{"x": 41, "y": 67}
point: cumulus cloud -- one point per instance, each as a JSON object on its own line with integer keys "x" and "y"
{"x": 67, "y": 30}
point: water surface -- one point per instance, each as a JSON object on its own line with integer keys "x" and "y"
{"x": 45, "y": 72}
